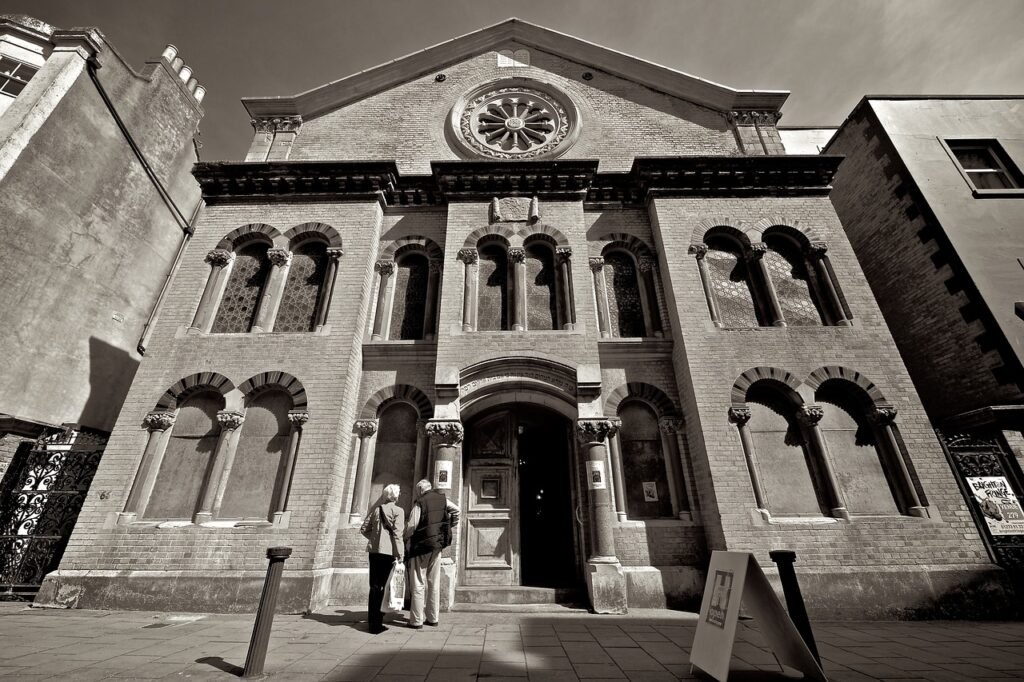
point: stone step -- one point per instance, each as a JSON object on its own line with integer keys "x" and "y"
{"x": 518, "y": 594}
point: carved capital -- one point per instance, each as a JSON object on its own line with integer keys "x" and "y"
{"x": 230, "y": 420}
{"x": 469, "y": 256}
{"x": 645, "y": 264}
{"x": 817, "y": 249}
{"x": 298, "y": 418}
{"x": 756, "y": 251}
{"x": 596, "y": 430}
{"x": 277, "y": 124}
{"x": 335, "y": 253}
{"x": 563, "y": 254}
{"x": 445, "y": 431}
{"x": 159, "y": 420}
{"x": 218, "y": 258}
{"x": 434, "y": 265}
{"x": 810, "y": 415}
{"x": 698, "y": 250}
{"x": 517, "y": 254}
{"x": 385, "y": 268}
{"x": 596, "y": 263}
{"x": 739, "y": 415}
{"x": 279, "y": 257}
{"x": 752, "y": 117}
{"x": 883, "y": 415}
{"x": 671, "y": 425}
{"x": 365, "y": 428}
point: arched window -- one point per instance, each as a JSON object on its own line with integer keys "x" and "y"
{"x": 187, "y": 458}
{"x": 395, "y": 455}
{"x": 244, "y": 289}
{"x": 787, "y": 268}
{"x": 303, "y": 289}
{"x": 492, "y": 298}
{"x": 865, "y": 478}
{"x": 541, "y": 287}
{"x": 407, "y": 316}
{"x": 625, "y": 310}
{"x": 730, "y": 283}
{"x": 786, "y": 466}
{"x": 255, "y": 475}
{"x": 643, "y": 463}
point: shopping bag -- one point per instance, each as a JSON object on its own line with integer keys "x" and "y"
{"x": 394, "y": 590}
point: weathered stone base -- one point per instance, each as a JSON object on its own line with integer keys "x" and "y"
{"x": 606, "y": 585}
{"x": 984, "y": 592}
{"x": 672, "y": 587}
{"x": 179, "y": 591}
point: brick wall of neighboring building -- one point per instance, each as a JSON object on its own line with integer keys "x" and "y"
{"x": 918, "y": 281}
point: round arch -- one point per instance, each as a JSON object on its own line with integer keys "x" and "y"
{"x": 662, "y": 405}
{"x": 192, "y": 383}
{"x": 282, "y": 380}
{"x": 397, "y": 392}
{"x": 267, "y": 233}
{"x": 748, "y": 378}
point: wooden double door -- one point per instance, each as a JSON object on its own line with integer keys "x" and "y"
{"x": 520, "y": 501}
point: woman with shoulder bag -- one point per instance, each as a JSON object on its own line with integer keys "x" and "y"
{"x": 383, "y": 528}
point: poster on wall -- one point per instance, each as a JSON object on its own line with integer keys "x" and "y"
{"x": 595, "y": 477}
{"x": 998, "y": 503}
{"x": 443, "y": 475}
{"x": 650, "y": 491}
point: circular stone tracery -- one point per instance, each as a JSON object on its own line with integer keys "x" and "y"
{"x": 513, "y": 123}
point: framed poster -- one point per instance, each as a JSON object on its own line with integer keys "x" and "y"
{"x": 595, "y": 475}
{"x": 443, "y": 474}
{"x": 650, "y": 491}
{"x": 998, "y": 503}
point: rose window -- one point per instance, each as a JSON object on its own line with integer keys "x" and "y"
{"x": 513, "y": 123}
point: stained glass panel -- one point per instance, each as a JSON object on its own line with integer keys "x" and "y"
{"x": 242, "y": 294}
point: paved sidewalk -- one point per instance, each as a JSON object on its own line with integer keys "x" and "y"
{"x": 40, "y": 644}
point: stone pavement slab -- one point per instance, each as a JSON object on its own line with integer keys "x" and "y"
{"x": 82, "y": 646}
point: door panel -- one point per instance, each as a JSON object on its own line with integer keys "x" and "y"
{"x": 492, "y": 539}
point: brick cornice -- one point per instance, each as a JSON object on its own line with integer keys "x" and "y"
{"x": 483, "y": 180}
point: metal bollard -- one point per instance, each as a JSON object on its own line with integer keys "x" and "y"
{"x": 785, "y": 559}
{"x": 265, "y": 613}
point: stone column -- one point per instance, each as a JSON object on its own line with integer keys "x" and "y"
{"x": 649, "y": 296}
{"x": 755, "y": 259}
{"x": 159, "y": 423}
{"x": 365, "y": 429}
{"x": 384, "y": 268}
{"x": 297, "y": 418}
{"x": 469, "y": 257}
{"x": 606, "y": 581}
{"x": 223, "y": 457}
{"x": 430, "y": 306}
{"x": 517, "y": 259}
{"x": 740, "y": 416}
{"x": 219, "y": 260}
{"x": 270, "y": 301}
{"x": 563, "y": 255}
{"x": 817, "y": 253}
{"x": 334, "y": 255}
{"x": 618, "y": 478}
{"x": 446, "y": 477}
{"x": 883, "y": 418}
{"x": 809, "y": 416}
{"x": 670, "y": 427}
{"x": 601, "y": 293}
{"x": 700, "y": 251}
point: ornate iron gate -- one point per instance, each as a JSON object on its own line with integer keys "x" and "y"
{"x": 987, "y": 455}
{"x": 40, "y": 497}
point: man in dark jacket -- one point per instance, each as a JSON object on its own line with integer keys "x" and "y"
{"x": 432, "y": 521}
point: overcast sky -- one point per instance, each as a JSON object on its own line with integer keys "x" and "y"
{"x": 827, "y": 53}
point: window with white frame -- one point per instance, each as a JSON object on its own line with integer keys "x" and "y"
{"x": 985, "y": 164}
{"x": 14, "y": 76}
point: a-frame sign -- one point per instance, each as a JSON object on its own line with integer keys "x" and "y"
{"x": 735, "y": 578}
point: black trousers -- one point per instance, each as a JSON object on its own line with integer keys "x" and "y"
{"x": 380, "y": 569}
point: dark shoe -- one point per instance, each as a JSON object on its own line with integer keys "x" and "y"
{"x": 433, "y": 625}
{"x": 415, "y": 627}
{"x": 377, "y": 630}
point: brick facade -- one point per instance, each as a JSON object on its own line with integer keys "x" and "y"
{"x": 685, "y": 369}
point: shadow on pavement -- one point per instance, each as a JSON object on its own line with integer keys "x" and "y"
{"x": 220, "y": 664}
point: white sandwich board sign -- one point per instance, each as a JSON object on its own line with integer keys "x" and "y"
{"x": 735, "y": 578}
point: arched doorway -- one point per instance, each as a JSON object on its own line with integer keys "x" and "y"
{"x": 519, "y": 500}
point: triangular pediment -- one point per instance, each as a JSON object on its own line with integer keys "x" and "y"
{"x": 358, "y": 86}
